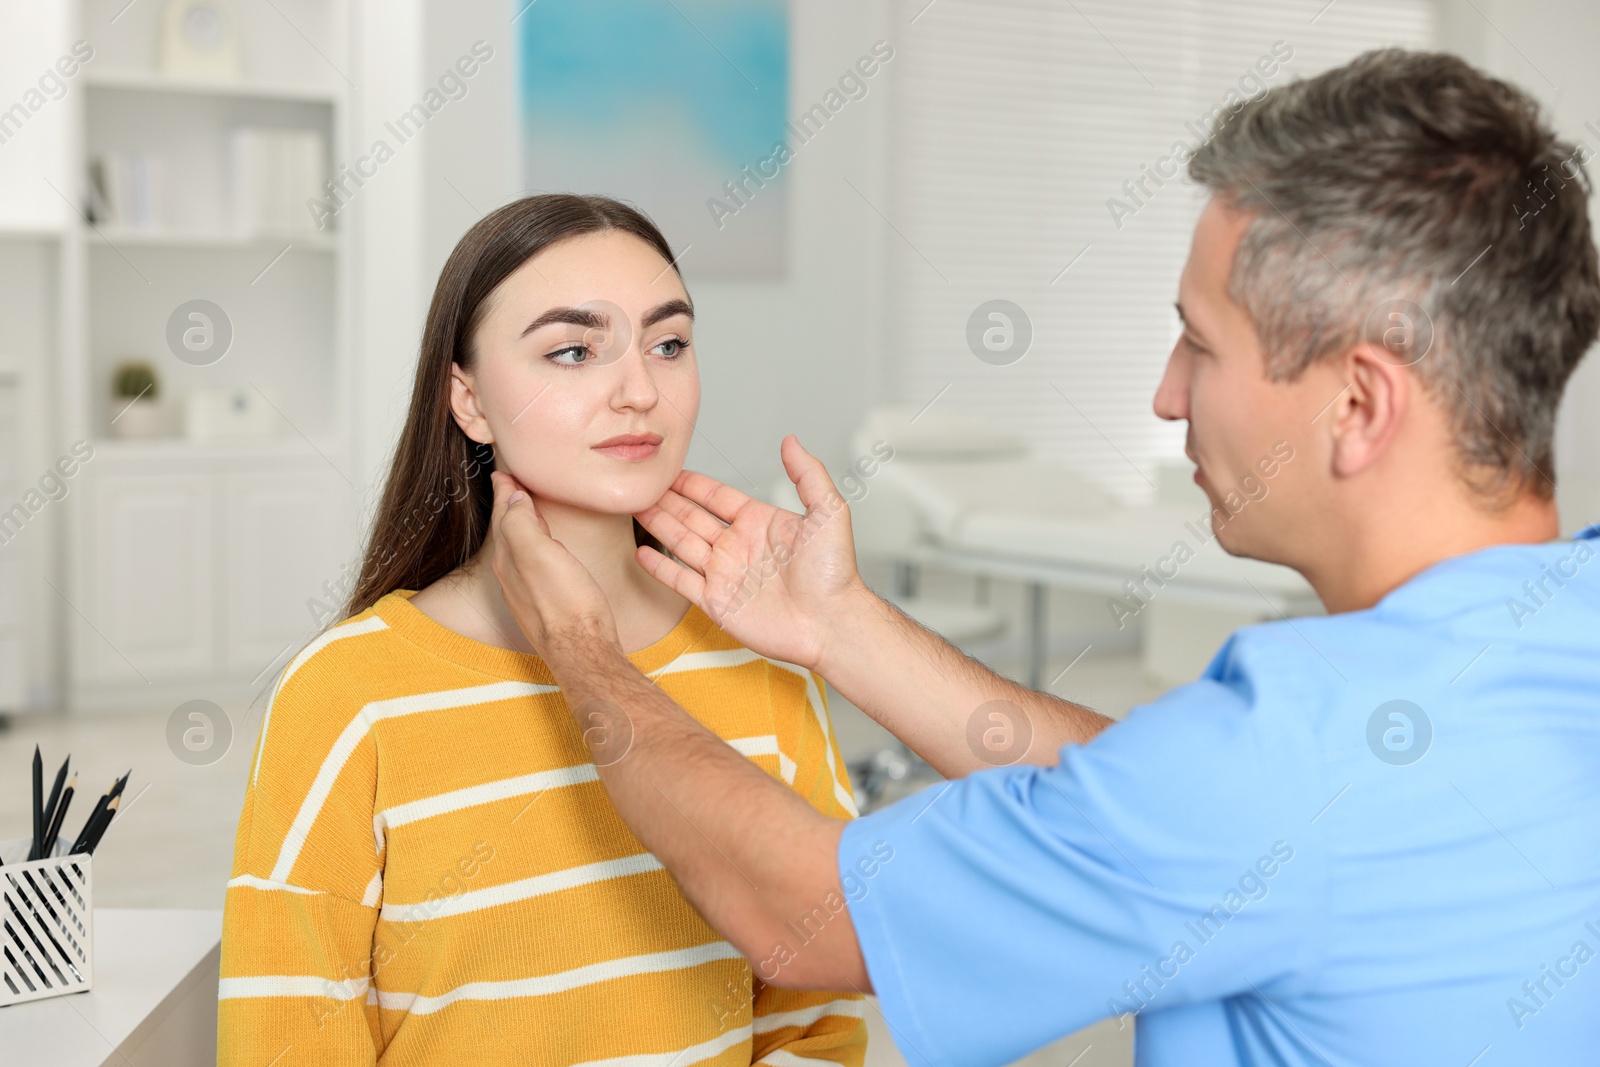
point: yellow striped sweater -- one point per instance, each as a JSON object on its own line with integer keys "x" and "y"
{"x": 428, "y": 870}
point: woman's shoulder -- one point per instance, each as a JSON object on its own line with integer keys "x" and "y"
{"x": 348, "y": 665}
{"x": 342, "y": 648}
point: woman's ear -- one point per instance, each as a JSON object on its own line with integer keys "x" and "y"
{"x": 464, "y": 405}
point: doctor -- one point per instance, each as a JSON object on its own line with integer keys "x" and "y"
{"x": 1371, "y": 838}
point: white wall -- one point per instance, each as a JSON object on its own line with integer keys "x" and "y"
{"x": 807, "y": 353}
{"x": 1548, "y": 48}
{"x": 390, "y": 298}
{"x": 802, "y": 354}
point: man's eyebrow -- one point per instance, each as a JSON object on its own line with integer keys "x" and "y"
{"x": 666, "y": 311}
{"x": 1187, "y": 325}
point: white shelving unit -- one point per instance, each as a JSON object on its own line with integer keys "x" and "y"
{"x": 143, "y": 80}
{"x": 33, "y": 511}
{"x": 13, "y": 689}
{"x": 189, "y": 563}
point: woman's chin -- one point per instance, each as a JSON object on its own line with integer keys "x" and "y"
{"x": 619, "y": 500}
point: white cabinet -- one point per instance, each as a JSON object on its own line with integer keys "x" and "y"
{"x": 194, "y": 571}
{"x": 11, "y": 602}
{"x": 13, "y": 693}
{"x": 148, "y": 589}
{"x": 287, "y": 534}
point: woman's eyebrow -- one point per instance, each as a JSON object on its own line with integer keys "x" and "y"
{"x": 666, "y": 311}
{"x": 590, "y": 318}
{"x": 586, "y": 317}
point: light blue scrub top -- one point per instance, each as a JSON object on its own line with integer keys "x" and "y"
{"x": 1275, "y": 864}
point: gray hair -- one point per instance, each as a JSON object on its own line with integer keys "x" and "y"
{"x": 1408, "y": 200}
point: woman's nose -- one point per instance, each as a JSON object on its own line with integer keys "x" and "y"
{"x": 636, "y": 384}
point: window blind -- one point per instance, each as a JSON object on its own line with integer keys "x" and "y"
{"x": 1016, "y": 124}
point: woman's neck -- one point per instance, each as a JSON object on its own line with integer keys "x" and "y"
{"x": 468, "y": 601}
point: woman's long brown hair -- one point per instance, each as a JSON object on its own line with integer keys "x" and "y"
{"x": 435, "y": 510}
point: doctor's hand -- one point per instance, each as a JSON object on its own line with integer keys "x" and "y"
{"x": 554, "y": 598}
{"x": 772, "y": 579}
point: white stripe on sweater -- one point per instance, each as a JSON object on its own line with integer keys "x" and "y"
{"x": 358, "y": 728}
{"x": 682, "y": 1058}
{"x": 703, "y": 661}
{"x": 805, "y": 1017}
{"x": 544, "y": 985}
{"x": 782, "y": 1057}
{"x": 735, "y": 657}
{"x": 766, "y": 745}
{"x": 487, "y": 793}
{"x": 814, "y": 700}
{"x": 320, "y": 642}
{"x": 250, "y": 881}
{"x": 522, "y": 889}
{"x": 525, "y": 784}
{"x": 290, "y": 985}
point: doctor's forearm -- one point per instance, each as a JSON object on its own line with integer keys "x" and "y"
{"x": 748, "y": 852}
{"x": 929, "y": 694}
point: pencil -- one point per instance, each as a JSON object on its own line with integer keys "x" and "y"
{"x": 105, "y": 821}
{"x": 88, "y": 824}
{"x": 38, "y": 803}
{"x": 55, "y": 822}
{"x": 90, "y": 835}
{"x": 50, "y": 805}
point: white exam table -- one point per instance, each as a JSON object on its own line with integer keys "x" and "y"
{"x": 1033, "y": 520}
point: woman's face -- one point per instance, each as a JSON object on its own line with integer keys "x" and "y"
{"x": 584, "y": 377}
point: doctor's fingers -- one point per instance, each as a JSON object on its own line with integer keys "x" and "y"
{"x": 808, "y": 473}
{"x": 723, "y": 501}
{"x": 692, "y": 515}
{"x": 508, "y": 513}
{"x": 684, "y": 542}
{"x": 672, "y": 574}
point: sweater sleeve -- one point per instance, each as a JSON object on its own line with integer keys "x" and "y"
{"x": 303, "y": 899}
{"x": 791, "y": 1026}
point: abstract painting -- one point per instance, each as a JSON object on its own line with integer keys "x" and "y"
{"x": 672, "y": 105}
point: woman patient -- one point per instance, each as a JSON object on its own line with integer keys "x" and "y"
{"x": 427, "y": 869}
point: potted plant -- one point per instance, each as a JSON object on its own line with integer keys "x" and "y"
{"x": 135, "y": 395}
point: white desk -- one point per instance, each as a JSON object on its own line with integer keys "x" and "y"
{"x": 154, "y": 1001}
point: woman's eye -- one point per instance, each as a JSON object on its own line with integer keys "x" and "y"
{"x": 571, "y": 356}
{"x": 673, "y": 347}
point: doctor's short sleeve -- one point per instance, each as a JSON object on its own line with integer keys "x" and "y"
{"x": 1169, "y": 861}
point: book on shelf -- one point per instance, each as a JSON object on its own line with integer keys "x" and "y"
{"x": 124, "y": 190}
{"x": 274, "y": 173}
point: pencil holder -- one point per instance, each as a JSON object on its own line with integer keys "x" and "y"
{"x": 46, "y": 923}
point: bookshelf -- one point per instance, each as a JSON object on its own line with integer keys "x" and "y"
{"x": 174, "y": 567}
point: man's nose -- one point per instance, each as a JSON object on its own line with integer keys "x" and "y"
{"x": 1172, "y": 395}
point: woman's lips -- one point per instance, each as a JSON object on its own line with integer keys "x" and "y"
{"x": 631, "y": 446}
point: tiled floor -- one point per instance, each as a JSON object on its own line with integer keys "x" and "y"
{"x": 172, "y": 845}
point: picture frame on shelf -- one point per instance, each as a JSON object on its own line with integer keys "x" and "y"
{"x": 200, "y": 40}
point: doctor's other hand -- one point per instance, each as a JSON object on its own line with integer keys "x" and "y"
{"x": 772, "y": 579}
{"x": 554, "y": 598}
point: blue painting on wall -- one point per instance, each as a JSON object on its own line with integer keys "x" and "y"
{"x": 664, "y": 103}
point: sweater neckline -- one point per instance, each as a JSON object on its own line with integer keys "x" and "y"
{"x": 397, "y": 611}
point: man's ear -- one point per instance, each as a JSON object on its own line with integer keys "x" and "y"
{"x": 464, "y": 405}
{"x": 1368, "y": 417}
